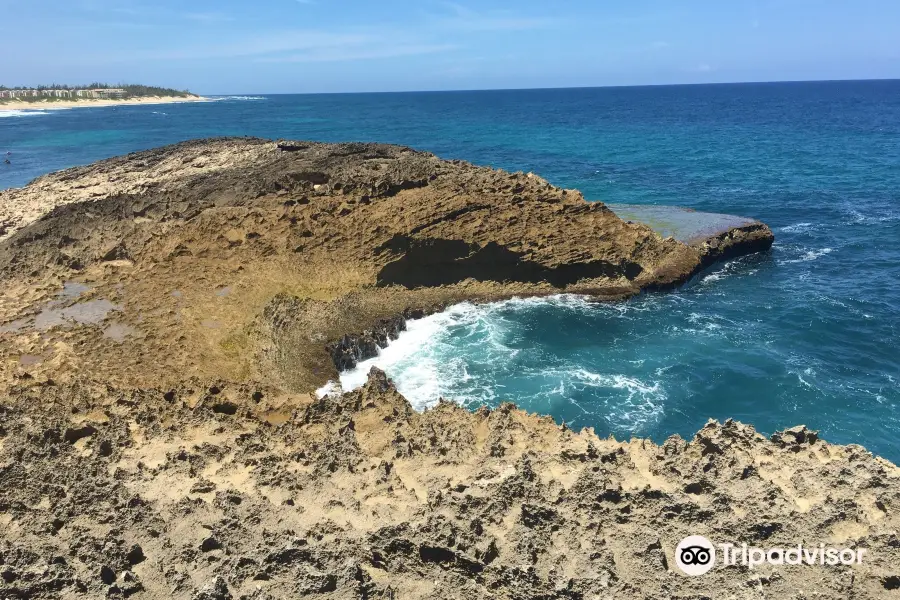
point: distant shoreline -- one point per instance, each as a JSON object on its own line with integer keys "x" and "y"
{"x": 95, "y": 103}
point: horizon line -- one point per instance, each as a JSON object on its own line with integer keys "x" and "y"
{"x": 564, "y": 87}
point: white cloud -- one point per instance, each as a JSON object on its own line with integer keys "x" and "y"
{"x": 337, "y": 54}
{"x": 296, "y": 46}
{"x": 447, "y": 30}
{"x": 466, "y": 19}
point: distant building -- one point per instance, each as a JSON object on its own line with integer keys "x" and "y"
{"x": 109, "y": 93}
{"x": 104, "y": 93}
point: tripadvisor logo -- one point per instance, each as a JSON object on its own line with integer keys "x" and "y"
{"x": 696, "y": 555}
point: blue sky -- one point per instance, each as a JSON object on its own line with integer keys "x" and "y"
{"x": 273, "y": 46}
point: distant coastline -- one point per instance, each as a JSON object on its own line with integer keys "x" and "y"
{"x": 95, "y": 94}
{"x": 54, "y": 104}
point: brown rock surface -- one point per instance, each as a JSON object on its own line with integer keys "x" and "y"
{"x": 164, "y": 316}
{"x": 187, "y": 245}
{"x": 235, "y": 491}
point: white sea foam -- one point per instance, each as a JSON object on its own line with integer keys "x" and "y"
{"x": 411, "y": 359}
{"x": 643, "y": 406}
{"x": 714, "y": 277}
{"x": 797, "y": 228}
{"x": 332, "y": 388}
{"x": 421, "y": 361}
{"x": 427, "y": 363}
{"x": 22, "y": 113}
{"x": 239, "y": 98}
{"x": 858, "y": 218}
{"x": 810, "y": 255}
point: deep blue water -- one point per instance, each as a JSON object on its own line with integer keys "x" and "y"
{"x": 805, "y": 334}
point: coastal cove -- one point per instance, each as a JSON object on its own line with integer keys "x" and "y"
{"x": 804, "y": 334}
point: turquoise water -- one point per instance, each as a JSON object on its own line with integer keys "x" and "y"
{"x": 807, "y": 333}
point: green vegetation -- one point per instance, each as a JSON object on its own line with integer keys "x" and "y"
{"x": 130, "y": 91}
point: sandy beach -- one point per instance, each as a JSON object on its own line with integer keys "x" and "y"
{"x": 86, "y": 103}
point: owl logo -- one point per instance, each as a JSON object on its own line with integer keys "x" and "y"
{"x": 695, "y": 555}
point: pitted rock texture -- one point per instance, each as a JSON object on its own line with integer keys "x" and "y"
{"x": 359, "y": 496}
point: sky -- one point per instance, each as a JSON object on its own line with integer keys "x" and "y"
{"x": 300, "y": 46}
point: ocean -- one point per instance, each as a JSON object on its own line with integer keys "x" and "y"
{"x": 807, "y": 333}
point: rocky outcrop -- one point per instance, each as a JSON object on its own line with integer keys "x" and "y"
{"x": 716, "y": 236}
{"x": 359, "y": 496}
{"x": 191, "y": 242}
{"x": 352, "y": 349}
{"x": 737, "y": 241}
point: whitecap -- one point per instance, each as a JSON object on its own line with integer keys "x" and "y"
{"x": 421, "y": 361}
{"x": 22, "y": 113}
{"x": 411, "y": 360}
{"x": 886, "y": 215}
{"x": 427, "y": 363}
{"x": 238, "y": 98}
{"x": 332, "y": 388}
{"x": 797, "y": 228}
{"x": 810, "y": 255}
{"x": 714, "y": 277}
{"x": 643, "y": 406}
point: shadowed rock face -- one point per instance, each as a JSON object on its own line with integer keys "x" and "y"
{"x": 436, "y": 262}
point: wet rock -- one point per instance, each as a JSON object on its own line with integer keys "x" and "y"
{"x": 378, "y": 380}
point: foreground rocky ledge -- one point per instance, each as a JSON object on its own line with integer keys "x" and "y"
{"x": 238, "y": 492}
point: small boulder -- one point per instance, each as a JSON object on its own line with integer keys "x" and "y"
{"x": 216, "y": 589}
{"x": 795, "y": 437}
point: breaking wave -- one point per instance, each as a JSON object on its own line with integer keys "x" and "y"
{"x": 238, "y": 98}
{"x": 810, "y": 255}
{"x": 482, "y": 355}
{"x": 22, "y": 113}
{"x": 797, "y": 228}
